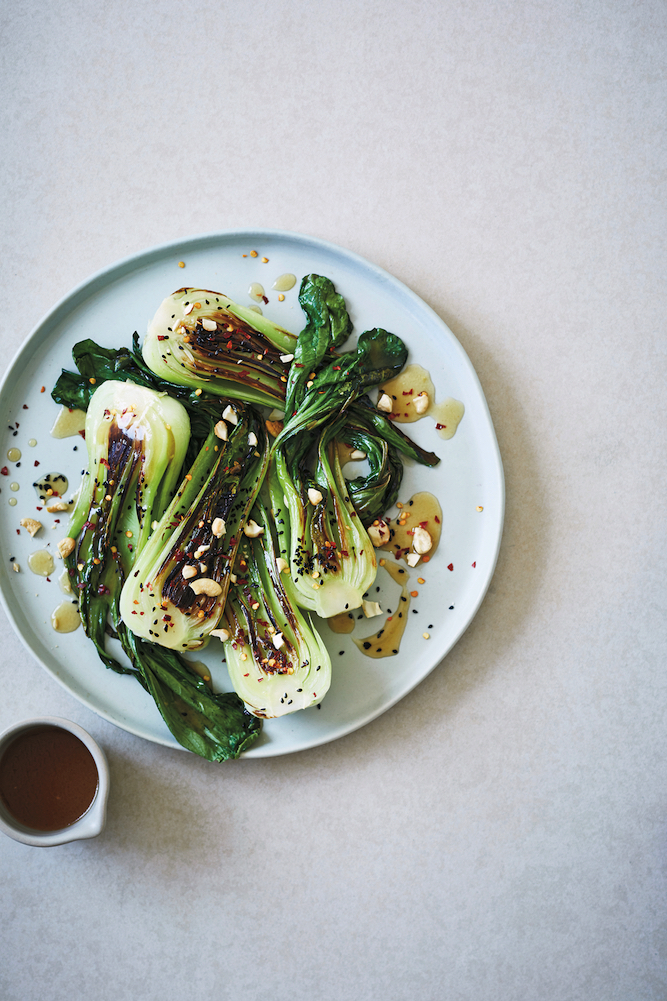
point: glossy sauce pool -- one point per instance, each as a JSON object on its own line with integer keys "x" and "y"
{"x": 48, "y": 778}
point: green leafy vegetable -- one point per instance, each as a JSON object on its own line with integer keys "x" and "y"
{"x": 277, "y": 661}
{"x": 203, "y": 340}
{"x": 177, "y": 590}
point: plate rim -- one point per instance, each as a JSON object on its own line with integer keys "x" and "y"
{"x": 131, "y": 263}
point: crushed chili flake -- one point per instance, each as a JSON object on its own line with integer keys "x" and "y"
{"x": 4, "y": 471}
{"x": 475, "y": 563}
{"x": 450, "y": 566}
{"x": 43, "y": 389}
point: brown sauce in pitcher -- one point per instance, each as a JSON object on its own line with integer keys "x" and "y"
{"x": 48, "y": 778}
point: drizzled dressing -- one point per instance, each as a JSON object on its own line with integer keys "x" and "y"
{"x": 405, "y": 387}
{"x": 386, "y": 642}
{"x": 423, "y": 509}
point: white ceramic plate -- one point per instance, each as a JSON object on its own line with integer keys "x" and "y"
{"x": 123, "y": 298}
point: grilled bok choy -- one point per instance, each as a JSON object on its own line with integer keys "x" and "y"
{"x": 176, "y": 592}
{"x": 276, "y": 659}
{"x": 136, "y": 440}
{"x": 204, "y": 340}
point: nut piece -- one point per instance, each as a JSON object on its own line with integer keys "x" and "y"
{"x": 385, "y": 403}
{"x": 274, "y": 427}
{"x": 31, "y": 525}
{"x": 221, "y": 430}
{"x": 58, "y": 506}
{"x": 16, "y": 568}
{"x": 282, "y": 565}
{"x": 189, "y": 572}
{"x": 218, "y": 527}
{"x": 314, "y": 496}
{"x": 202, "y": 549}
{"x": 371, "y": 608}
{"x": 229, "y": 414}
{"x": 66, "y": 546}
{"x": 421, "y": 541}
{"x": 286, "y": 358}
{"x": 252, "y": 438}
{"x": 379, "y": 532}
{"x": 209, "y": 324}
{"x": 222, "y": 634}
{"x": 206, "y": 585}
{"x": 412, "y": 559}
{"x": 253, "y": 530}
{"x": 356, "y": 455}
{"x": 421, "y": 402}
{"x": 278, "y": 640}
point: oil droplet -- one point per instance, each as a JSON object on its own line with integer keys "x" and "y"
{"x": 386, "y": 642}
{"x": 403, "y": 390}
{"x": 65, "y": 618}
{"x": 14, "y": 486}
{"x": 256, "y": 291}
{"x": 14, "y": 454}
{"x": 12, "y": 501}
{"x": 341, "y": 623}
{"x": 423, "y": 509}
{"x": 68, "y": 423}
{"x": 284, "y": 283}
{"x": 256, "y": 309}
{"x": 41, "y": 563}
{"x": 56, "y": 483}
{"x": 65, "y": 582}
{"x": 32, "y": 442}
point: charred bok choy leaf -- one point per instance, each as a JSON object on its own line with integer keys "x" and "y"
{"x": 276, "y": 659}
{"x": 177, "y": 590}
{"x": 206, "y": 341}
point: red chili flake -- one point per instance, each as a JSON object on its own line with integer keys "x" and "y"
{"x": 4, "y": 471}
{"x": 259, "y": 679}
{"x": 36, "y": 462}
{"x": 408, "y": 392}
{"x": 17, "y": 423}
{"x": 437, "y": 519}
{"x": 266, "y": 301}
{"x": 298, "y": 364}
{"x": 25, "y": 406}
{"x": 439, "y": 427}
{"x": 475, "y": 563}
{"x": 104, "y": 462}
{"x": 450, "y": 566}
{"x": 336, "y": 368}
{"x": 57, "y": 521}
{"x": 248, "y": 675}
{"x": 18, "y": 531}
{"x": 83, "y": 434}
{"x": 162, "y": 337}
{"x": 37, "y": 508}
{"x": 43, "y": 389}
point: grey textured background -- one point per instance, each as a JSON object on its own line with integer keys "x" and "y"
{"x": 501, "y": 833}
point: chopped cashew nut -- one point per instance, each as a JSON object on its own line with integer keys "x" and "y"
{"x": 189, "y": 572}
{"x": 221, "y": 430}
{"x": 218, "y": 527}
{"x": 274, "y": 428}
{"x": 15, "y": 567}
{"x": 277, "y": 415}
{"x": 229, "y": 414}
{"x": 379, "y": 532}
{"x": 222, "y": 634}
{"x": 31, "y": 525}
{"x": 253, "y": 530}
{"x": 412, "y": 559}
{"x": 371, "y": 608}
{"x": 421, "y": 541}
{"x": 202, "y": 549}
{"x": 356, "y": 454}
{"x": 277, "y": 640}
{"x": 282, "y": 565}
{"x": 252, "y": 438}
{"x": 420, "y": 403}
{"x": 58, "y": 506}
{"x": 209, "y": 324}
{"x": 286, "y": 358}
{"x": 202, "y": 568}
{"x": 314, "y": 496}
{"x": 206, "y": 585}
{"x": 65, "y": 547}
{"x": 384, "y": 403}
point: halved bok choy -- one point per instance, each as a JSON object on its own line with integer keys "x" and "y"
{"x": 276, "y": 659}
